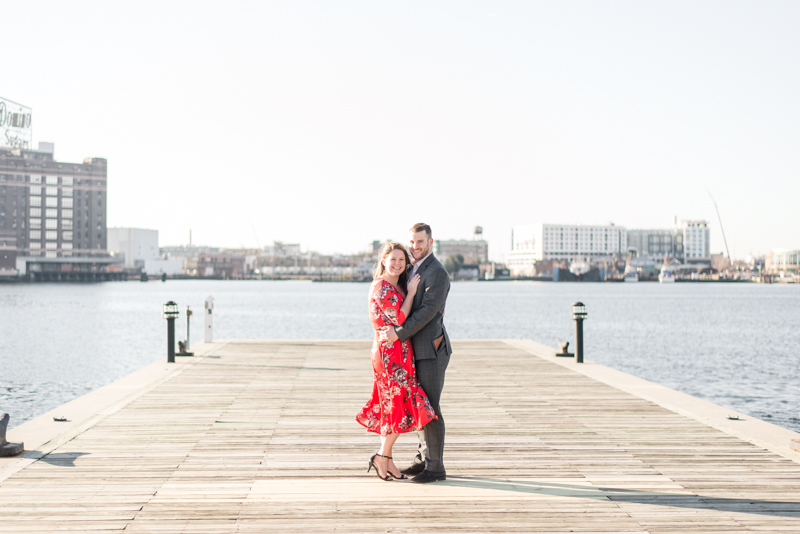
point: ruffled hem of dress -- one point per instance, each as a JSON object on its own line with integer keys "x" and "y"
{"x": 377, "y": 428}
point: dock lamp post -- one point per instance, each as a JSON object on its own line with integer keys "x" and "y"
{"x": 170, "y": 314}
{"x": 579, "y": 314}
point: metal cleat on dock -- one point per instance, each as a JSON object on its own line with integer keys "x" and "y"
{"x": 563, "y": 347}
{"x": 6, "y": 448}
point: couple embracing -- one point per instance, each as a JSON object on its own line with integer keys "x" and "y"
{"x": 409, "y": 356}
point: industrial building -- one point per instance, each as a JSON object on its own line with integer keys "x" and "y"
{"x": 53, "y": 216}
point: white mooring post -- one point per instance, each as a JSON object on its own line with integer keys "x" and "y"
{"x": 207, "y": 337}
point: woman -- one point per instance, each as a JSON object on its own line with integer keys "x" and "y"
{"x": 398, "y": 404}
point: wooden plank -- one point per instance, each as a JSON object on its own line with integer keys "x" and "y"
{"x": 262, "y": 437}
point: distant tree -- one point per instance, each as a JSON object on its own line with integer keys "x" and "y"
{"x": 453, "y": 264}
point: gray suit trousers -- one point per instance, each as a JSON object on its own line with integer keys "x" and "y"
{"x": 430, "y": 375}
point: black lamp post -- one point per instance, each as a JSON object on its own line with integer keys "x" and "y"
{"x": 170, "y": 314}
{"x": 579, "y": 314}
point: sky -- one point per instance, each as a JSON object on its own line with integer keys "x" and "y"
{"x": 333, "y": 124}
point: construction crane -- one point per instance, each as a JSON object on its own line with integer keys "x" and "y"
{"x": 720, "y": 226}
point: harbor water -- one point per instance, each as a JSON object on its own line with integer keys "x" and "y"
{"x": 732, "y": 344}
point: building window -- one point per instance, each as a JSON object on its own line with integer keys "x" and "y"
{"x": 66, "y": 236}
{"x": 36, "y": 179}
{"x": 66, "y": 192}
{"x": 36, "y": 234}
{"x": 52, "y": 213}
{"x": 67, "y": 180}
{"x": 51, "y": 224}
{"x": 51, "y": 245}
{"x": 36, "y": 212}
{"x": 36, "y": 190}
{"x": 66, "y": 202}
{"x": 66, "y": 224}
{"x": 67, "y": 214}
{"x": 51, "y": 254}
{"x": 52, "y": 180}
{"x": 52, "y": 202}
{"x": 52, "y": 191}
{"x": 36, "y": 224}
{"x": 66, "y": 246}
{"x": 36, "y": 246}
{"x": 36, "y": 201}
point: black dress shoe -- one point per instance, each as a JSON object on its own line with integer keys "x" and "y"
{"x": 425, "y": 477}
{"x": 414, "y": 469}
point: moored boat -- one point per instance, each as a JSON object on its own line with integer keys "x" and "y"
{"x": 630, "y": 271}
{"x": 666, "y": 276}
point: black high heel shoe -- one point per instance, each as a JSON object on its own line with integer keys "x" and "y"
{"x": 389, "y": 472}
{"x": 372, "y": 464}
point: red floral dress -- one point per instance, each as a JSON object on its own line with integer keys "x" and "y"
{"x": 398, "y": 403}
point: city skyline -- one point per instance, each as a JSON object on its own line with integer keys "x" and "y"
{"x": 332, "y": 125}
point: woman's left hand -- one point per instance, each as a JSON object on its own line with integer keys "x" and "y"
{"x": 412, "y": 285}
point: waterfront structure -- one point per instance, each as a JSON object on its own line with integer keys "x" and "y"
{"x": 136, "y": 245}
{"x": 187, "y": 254}
{"x": 536, "y": 242}
{"x": 8, "y": 253}
{"x": 227, "y": 265}
{"x": 696, "y": 242}
{"x": 781, "y": 260}
{"x": 473, "y": 251}
{"x": 55, "y": 212}
{"x": 159, "y": 266}
{"x": 278, "y": 249}
{"x": 688, "y": 241}
{"x": 655, "y": 243}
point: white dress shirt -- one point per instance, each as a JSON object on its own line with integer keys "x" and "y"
{"x": 416, "y": 265}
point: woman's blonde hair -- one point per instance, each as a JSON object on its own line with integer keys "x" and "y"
{"x": 386, "y": 249}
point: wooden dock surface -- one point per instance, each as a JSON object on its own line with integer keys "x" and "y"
{"x": 260, "y": 436}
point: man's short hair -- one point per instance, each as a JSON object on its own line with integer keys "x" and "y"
{"x": 421, "y": 227}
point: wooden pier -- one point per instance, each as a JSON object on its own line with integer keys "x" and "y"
{"x": 260, "y": 436}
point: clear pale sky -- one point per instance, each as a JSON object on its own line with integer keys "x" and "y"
{"x": 335, "y": 123}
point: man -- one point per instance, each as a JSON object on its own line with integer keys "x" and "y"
{"x": 425, "y": 327}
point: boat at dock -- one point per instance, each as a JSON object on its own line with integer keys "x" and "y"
{"x": 666, "y": 276}
{"x": 630, "y": 271}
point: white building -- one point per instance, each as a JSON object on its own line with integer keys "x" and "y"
{"x": 136, "y": 244}
{"x": 536, "y": 242}
{"x": 473, "y": 251}
{"x": 782, "y": 261}
{"x": 696, "y": 242}
{"x": 171, "y": 267}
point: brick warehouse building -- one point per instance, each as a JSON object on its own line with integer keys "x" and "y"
{"x": 53, "y": 217}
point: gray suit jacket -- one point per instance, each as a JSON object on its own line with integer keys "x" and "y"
{"x": 425, "y": 321}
